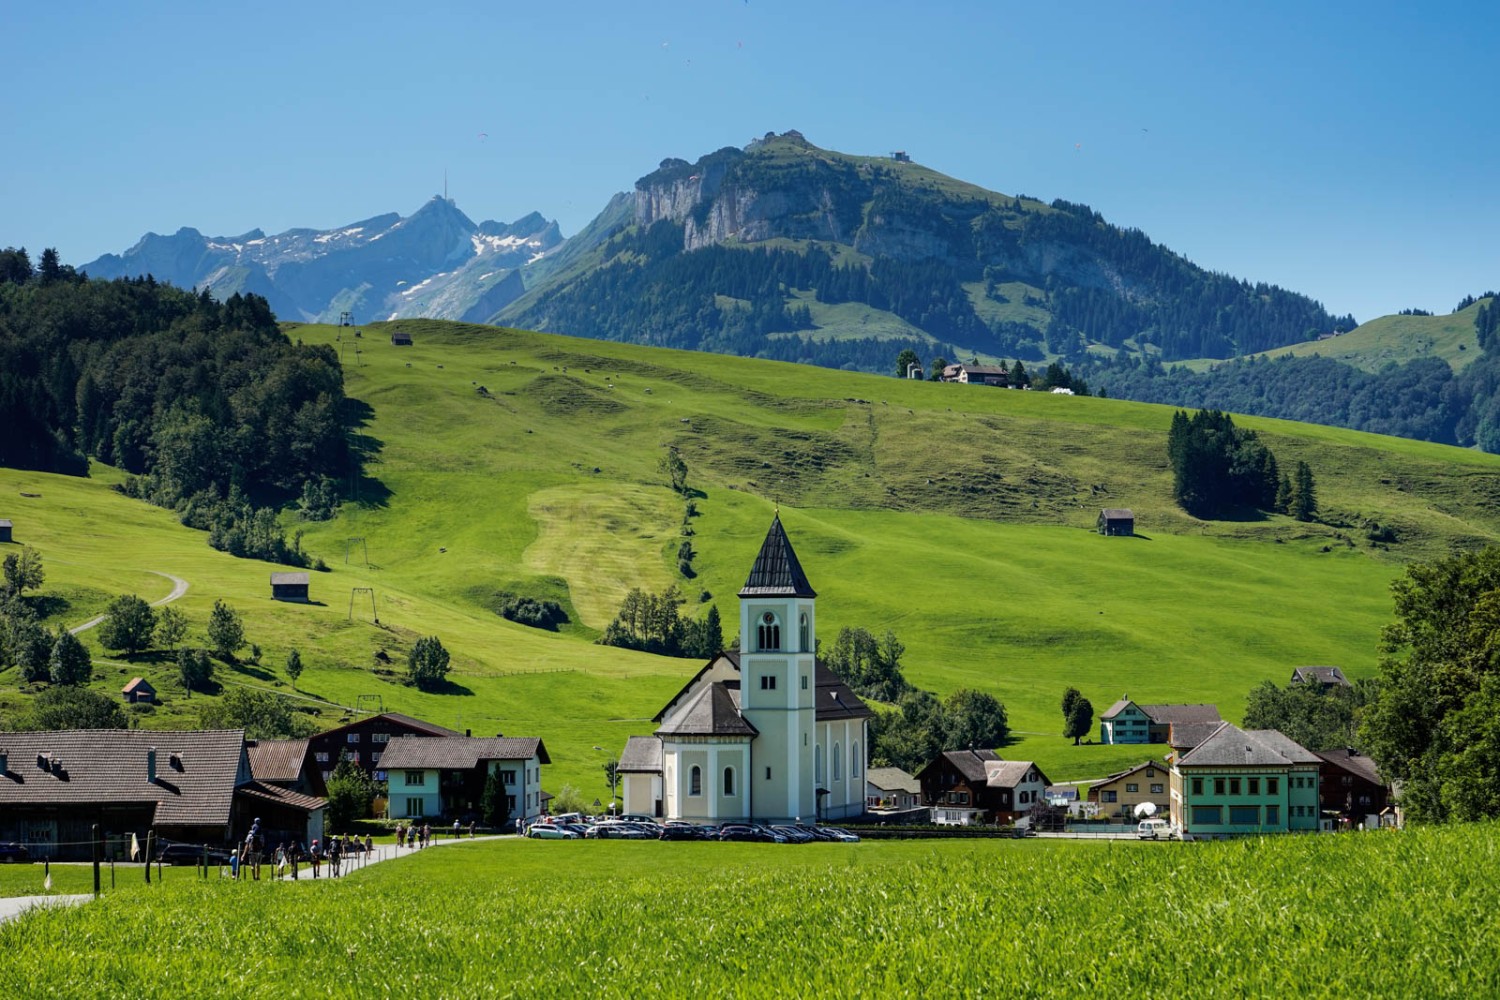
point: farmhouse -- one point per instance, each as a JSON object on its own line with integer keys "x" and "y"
{"x": 1127, "y": 722}
{"x": 400, "y": 338}
{"x": 192, "y": 787}
{"x": 1243, "y": 782}
{"x": 364, "y": 740}
{"x": 1116, "y": 521}
{"x": 767, "y": 733}
{"x": 1322, "y": 677}
{"x": 1119, "y": 794}
{"x": 1351, "y": 787}
{"x": 995, "y": 375}
{"x": 4, "y": 531}
{"x": 289, "y": 587}
{"x": 445, "y": 775}
{"x": 138, "y": 692}
{"x": 964, "y": 787}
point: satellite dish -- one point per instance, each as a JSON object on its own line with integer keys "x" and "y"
{"x": 1145, "y": 809}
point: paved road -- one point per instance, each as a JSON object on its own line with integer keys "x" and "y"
{"x": 15, "y": 906}
{"x": 179, "y": 587}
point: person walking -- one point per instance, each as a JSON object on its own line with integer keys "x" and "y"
{"x": 471, "y": 829}
{"x": 455, "y": 830}
{"x": 426, "y": 834}
{"x": 369, "y": 845}
{"x": 333, "y": 858}
{"x": 400, "y": 834}
{"x": 317, "y": 857}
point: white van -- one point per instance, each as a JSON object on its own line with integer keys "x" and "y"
{"x": 1154, "y": 828}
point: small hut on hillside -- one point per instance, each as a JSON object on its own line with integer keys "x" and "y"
{"x": 400, "y": 338}
{"x": 289, "y": 587}
{"x": 1116, "y": 521}
{"x": 139, "y": 692}
{"x": 4, "y": 531}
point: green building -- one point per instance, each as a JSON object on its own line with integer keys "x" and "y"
{"x": 1239, "y": 782}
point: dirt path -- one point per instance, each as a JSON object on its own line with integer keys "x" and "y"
{"x": 179, "y": 587}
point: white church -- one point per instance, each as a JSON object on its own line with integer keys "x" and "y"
{"x": 766, "y": 734}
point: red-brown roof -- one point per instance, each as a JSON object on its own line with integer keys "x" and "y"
{"x": 276, "y": 760}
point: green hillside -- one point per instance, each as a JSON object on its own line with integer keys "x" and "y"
{"x": 958, "y": 517}
{"x": 1399, "y": 339}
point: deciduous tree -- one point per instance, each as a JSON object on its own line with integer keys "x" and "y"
{"x": 226, "y": 632}
{"x": 427, "y": 663}
{"x": 171, "y": 627}
{"x": 194, "y": 669}
{"x": 128, "y": 625}
{"x": 70, "y": 662}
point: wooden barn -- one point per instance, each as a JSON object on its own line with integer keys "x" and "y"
{"x": 400, "y": 338}
{"x": 289, "y": 587}
{"x": 1116, "y": 521}
{"x": 4, "y": 531}
{"x": 139, "y": 692}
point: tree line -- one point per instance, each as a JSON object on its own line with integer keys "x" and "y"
{"x": 206, "y": 404}
{"x": 1219, "y": 470}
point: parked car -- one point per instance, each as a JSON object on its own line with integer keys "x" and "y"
{"x": 680, "y": 831}
{"x": 190, "y": 854}
{"x": 546, "y": 831}
{"x": 842, "y": 836}
{"x": 12, "y": 851}
{"x": 617, "y": 831}
{"x": 794, "y": 834}
{"x": 747, "y": 833}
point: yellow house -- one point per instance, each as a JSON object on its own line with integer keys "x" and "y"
{"x": 1119, "y": 794}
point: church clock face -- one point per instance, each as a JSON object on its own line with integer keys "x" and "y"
{"x": 768, "y": 618}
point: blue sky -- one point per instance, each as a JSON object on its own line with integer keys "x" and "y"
{"x": 1343, "y": 150}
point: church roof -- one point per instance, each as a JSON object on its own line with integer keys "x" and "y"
{"x": 776, "y": 572}
{"x": 642, "y": 755}
{"x": 835, "y": 698}
{"x": 713, "y": 711}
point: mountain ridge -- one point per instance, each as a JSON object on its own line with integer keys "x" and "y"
{"x": 434, "y": 263}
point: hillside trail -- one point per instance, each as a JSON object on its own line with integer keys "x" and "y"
{"x": 179, "y": 587}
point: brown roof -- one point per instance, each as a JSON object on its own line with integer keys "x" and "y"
{"x": 1159, "y": 765}
{"x": 1168, "y": 714}
{"x": 137, "y": 683}
{"x": 429, "y": 728}
{"x": 1186, "y": 735}
{"x": 458, "y": 752}
{"x": 971, "y": 763}
{"x": 985, "y": 369}
{"x": 281, "y": 796}
{"x": 1356, "y": 763}
{"x": 276, "y": 760}
{"x": 713, "y": 711}
{"x": 196, "y": 772}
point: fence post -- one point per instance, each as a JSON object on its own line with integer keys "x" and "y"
{"x": 150, "y": 834}
{"x": 97, "y": 852}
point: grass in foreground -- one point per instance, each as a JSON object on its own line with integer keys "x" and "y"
{"x": 1386, "y": 914}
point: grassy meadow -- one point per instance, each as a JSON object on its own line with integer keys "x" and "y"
{"x": 959, "y": 517}
{"x": 1388, "y": 914}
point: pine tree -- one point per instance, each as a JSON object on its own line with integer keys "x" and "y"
{"x": 1284, "y": 495}
{"x": 1304, "y": 504}
{"x": 70, "y": 662}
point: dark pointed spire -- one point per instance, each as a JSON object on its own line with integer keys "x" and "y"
{"x": 776, "y": 572}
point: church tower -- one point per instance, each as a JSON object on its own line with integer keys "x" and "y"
{"x": 778, "y": 686}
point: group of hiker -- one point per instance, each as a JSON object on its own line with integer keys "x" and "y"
{"x": 421, "y": 836}
{"x": 288, "y": 858}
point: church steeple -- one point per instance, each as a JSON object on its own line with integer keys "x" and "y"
{"x": 776, "y": 572}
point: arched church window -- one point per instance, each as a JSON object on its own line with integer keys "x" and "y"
{"x": 728, "y": 781}
{"x": 803, "y": 646}
{"x": 818, "y": 764}
{"x": 768, "y": 635}
{"x": 838, "y": 764}
{"x": 854, "y": 760}
{"x": 695, "y": 781}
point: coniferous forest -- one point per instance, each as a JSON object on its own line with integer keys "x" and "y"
{"x": 208, "y": 405}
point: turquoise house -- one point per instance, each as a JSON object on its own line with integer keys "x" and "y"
{"x": 1238, "y": 782}
{"x": 1127, "y": 722}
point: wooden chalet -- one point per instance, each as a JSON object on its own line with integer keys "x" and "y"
{"x": 1116, "y": 521}
{"x": 364, "y": 740}
{"x": 400, "y": 338}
